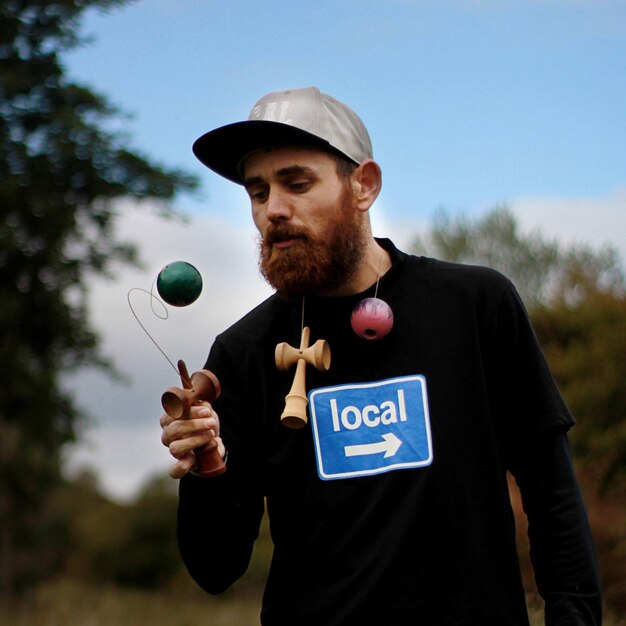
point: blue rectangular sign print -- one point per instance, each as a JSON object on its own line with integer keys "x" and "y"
{"x": 370, "y": 428}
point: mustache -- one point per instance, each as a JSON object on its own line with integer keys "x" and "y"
{"x": 280, "y": 232}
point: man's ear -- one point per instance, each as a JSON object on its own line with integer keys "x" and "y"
{"x": 366, "y": 181}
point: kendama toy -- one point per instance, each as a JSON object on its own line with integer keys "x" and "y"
{"x": 318, "y": 355}
{"x": 202, "y": 386}
{"x": 180, "y": 284}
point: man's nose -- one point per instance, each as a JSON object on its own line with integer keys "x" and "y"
{"x": 278, "y": 206}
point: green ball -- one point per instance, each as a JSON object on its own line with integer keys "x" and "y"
{"x": 179, "y": 283}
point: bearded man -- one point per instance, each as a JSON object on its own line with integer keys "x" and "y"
{"x": 390, "y": 504}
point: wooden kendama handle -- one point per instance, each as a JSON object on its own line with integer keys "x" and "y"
{"x": 202, "y": 386}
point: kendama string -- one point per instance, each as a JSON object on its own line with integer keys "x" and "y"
{"x": 162, "y": 316}
{"x": 380, "y": 268}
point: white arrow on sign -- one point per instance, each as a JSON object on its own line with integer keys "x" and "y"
{"x": 389, "y": 446}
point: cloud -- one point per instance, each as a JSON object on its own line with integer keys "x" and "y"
{"x": 593, "y": 221}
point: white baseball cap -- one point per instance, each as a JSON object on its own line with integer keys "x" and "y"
{"x": 298, "y": 117}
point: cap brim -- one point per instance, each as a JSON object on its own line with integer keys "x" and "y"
{"x": 223, "y": 149}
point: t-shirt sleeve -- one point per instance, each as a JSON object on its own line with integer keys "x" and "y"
{"x": 525, "y": 396}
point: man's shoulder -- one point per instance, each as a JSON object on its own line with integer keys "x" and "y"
{"x": 450, "y": 273}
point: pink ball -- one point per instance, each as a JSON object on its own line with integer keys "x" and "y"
{"x": 372, "y": 318}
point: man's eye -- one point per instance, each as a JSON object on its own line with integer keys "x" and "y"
{"x": 299, "y": 186}
{"x": 258, "y": 196}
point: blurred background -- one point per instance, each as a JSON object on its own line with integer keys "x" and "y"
{"x": 500, "y": 129}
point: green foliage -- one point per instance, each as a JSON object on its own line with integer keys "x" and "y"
{"x": 61, "y": 167}
{"x": 150, "y": 552}
{"x": 585, "y": 345}
{"x": 133, "y": 546}
{"x": 103, "y": 541}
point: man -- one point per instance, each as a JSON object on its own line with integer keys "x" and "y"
{"x": 391, "y": 504}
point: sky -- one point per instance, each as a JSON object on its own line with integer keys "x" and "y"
{"x": 469, "y": 103}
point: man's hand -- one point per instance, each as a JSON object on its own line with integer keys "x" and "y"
{"x": 183, "y": 436}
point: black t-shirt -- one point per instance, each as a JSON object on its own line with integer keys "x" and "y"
{"x": 430, "y": 544}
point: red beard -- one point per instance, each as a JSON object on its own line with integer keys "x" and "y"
{"x": 313, "y": 264}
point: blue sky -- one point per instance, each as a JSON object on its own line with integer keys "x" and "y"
{"x": 469, "y": 103}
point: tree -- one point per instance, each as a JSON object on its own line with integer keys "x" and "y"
{"x": 585, "y": 345}
{"x": 105, "y": 542}
{"x": 61, "y": 170}
{"x": 542, "y": 270}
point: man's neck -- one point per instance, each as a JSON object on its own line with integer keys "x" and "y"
{"x": 376, "y": 263}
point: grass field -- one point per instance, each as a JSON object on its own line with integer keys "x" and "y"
{"x": 71, "y": 603}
